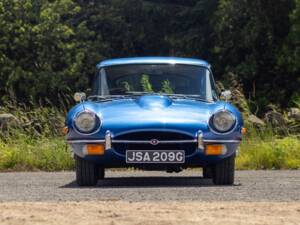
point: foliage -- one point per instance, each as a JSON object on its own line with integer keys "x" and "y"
{"x": 250, "y": 37}
{"x": 269, "y": 154}
{"x": 37, "y": 143}
{"x": 126, "y": 86}
{"x": 264, "y": 149}
{"x": 51, "y": 47}
{"x": 24, "y": 153}
{"x": 145, "y": 82}
{"x": 290, "y": 57}
{"x": 34, "y": 121}
{"x": 296, "y": 101}
{"x": 38, "y": 52}
{"x": 166, "y": 87}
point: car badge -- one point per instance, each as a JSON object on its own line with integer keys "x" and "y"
{"x": 154, "y": 142}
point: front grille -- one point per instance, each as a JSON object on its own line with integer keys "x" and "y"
{"x": 189, "y": 145}
{"x": 146, "y": 135}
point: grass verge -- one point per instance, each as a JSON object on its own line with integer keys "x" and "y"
{"x": 26, "y": 154}
{"x": 23, "y": 153}
{"x": 274, "y": 153}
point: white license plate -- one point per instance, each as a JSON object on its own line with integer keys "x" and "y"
{"x": 155, "y": 156}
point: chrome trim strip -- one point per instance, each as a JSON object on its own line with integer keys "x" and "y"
{"x": 148, "y": 142}
{"x": 221, "y": 141}
{"x": 152, "y": 60}
{"x": 108, "y": 140}
{"x": 200, "y": 140}
{"x": 85, "y": 141}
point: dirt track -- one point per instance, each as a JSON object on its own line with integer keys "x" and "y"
{"x": 125, "y": 213}
{"x": 258, "y": 197}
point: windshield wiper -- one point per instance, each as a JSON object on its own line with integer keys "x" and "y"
{"x": 131, "y": 94}
{"x": 173, "y": 96}
{"x": 105, "y": 97}
{"x": 182, "y": 96}
{"x": 140, "y": 93}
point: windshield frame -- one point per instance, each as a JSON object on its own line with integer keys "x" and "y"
{"x": 100, "y": 82}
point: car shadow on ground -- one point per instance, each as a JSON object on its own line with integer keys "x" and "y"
{"x": 148, "y": 182}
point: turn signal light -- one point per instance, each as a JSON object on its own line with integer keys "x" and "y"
{"x": 95, "y": 149}
{"x": 215, "y": 150}
{"x": 65, "y": 130}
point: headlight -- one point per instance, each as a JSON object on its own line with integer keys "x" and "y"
{"x": 223, "y": 121}
{"x": 86, "y": 122}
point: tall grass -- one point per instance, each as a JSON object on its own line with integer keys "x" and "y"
{"x": 263, "y": 149}
{"x": 37, "y": 142}
{"x": 39, "y": 145}
{"x": 24, "y": 153}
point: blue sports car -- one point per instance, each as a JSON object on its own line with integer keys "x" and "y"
{"x": 154, "y": 113}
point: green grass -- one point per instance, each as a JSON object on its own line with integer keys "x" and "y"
{"x": 257, "y": 153}
{"x": 265, "y": 149}
{"x": 26, "y": 154}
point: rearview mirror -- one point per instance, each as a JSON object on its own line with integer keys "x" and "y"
{"x": 226, "y": 95}
{"x": 79, "y": 96}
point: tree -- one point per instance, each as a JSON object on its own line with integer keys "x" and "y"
{"x": 249, "y": 37}
{"x": 38, "y": 51}
{"x": 289, "y": 57}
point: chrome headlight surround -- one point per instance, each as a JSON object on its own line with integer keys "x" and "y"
{"x": 86, "y": 122}
{"x": 222, "y": 122}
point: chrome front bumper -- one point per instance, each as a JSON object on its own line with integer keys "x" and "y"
{"x": 109, "y": 141}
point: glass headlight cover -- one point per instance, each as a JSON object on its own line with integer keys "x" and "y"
{"x": 86, "y": 122}
{"x": 223, "y": 121}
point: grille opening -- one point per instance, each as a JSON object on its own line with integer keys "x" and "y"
{"x": 162, "y": 136}
{"x": 121, "y": 148}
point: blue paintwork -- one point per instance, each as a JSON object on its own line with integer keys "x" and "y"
{"x": 155, "y": 113}
{"x": 153, "y": 60}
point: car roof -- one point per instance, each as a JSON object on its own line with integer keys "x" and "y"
{"x": 153, "y": 60}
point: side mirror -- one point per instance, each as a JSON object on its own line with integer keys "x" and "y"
{"x": 79, "y": 96}
{"x": 226, "y": 95}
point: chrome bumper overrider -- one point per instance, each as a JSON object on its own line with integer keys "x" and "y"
{"x": 108, "y": 141}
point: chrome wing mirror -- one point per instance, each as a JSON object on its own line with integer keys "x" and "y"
{"x": 79, "y": 96}
{"x": 226, "y": 95}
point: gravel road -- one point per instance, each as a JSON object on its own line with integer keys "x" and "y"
{"x": 138, "y": 186}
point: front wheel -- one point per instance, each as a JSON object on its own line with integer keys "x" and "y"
{"x": 223, "y": 173}
{"x": 207, "y": 172}
{"x": 87, "y": 173}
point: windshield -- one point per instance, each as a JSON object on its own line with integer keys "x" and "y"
{"x": 154, "y": 79}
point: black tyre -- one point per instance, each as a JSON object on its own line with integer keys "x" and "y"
{"x": 223, "y": 173}
{"x": 207, "y": 172}
{"x": 86, "y": 172}
{"x": 101, "y": 173}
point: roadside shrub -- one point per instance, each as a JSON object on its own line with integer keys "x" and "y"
{"x": 269, "y": 154}
{"x": 23, "y": 153}
{"x": 35, "y": 121}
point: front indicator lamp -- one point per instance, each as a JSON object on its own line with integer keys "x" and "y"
{"x": 93, "y": 149}
{"x": 215, "y": 150}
